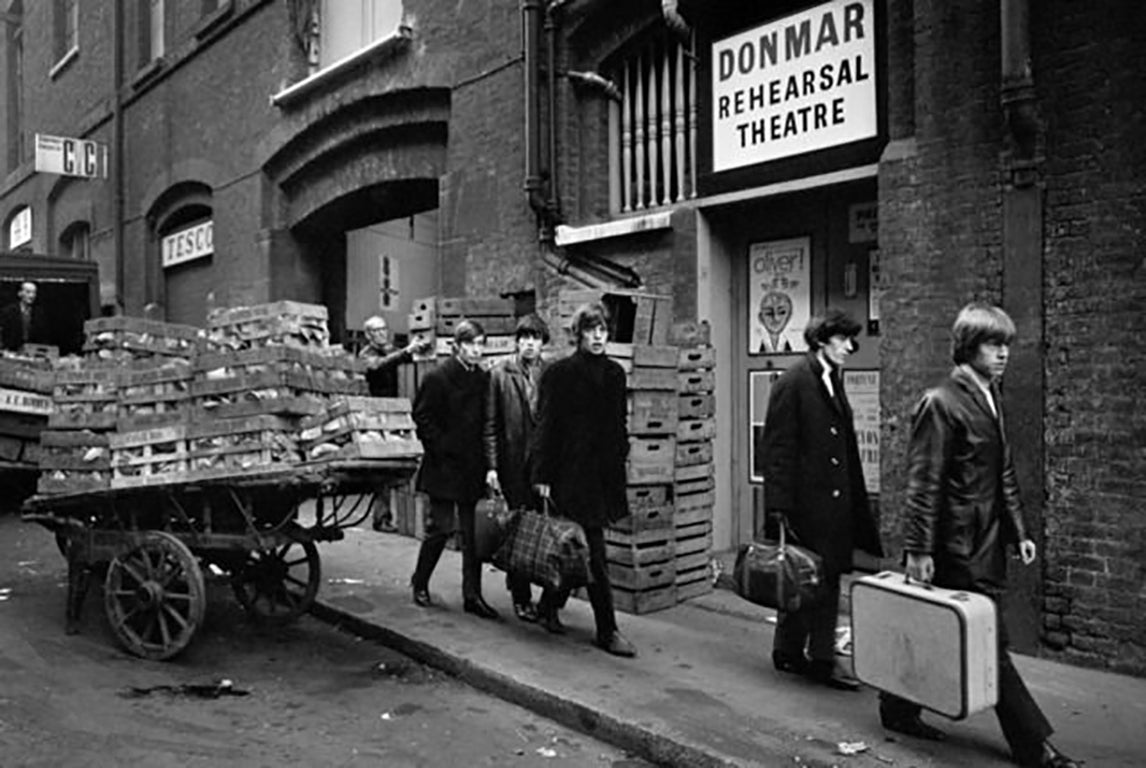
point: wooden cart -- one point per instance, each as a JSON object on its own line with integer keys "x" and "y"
{"x": 153, "y": 542}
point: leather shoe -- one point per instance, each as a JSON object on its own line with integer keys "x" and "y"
{"x": 525, "y": 612}
{"x": 480, "y": 608}
{"x": 824, "y": 673}
{"x": 551, "y": 621}
{"x": 1052, "y": 758}
{"x": 788, "y": 662}
{"x": 422, "y": 597}
{"x": 913, "y": 726}
{"x": 617, "y": 645}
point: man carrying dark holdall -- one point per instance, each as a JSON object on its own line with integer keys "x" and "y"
{"x": 580, "y": 447}
{"x": 963, "y": 510}
{"x": 448, "y": 413}
{"x": 814, "y": 484}
{"x": 511, "y": 413}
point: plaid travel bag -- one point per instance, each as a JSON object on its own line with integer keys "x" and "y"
{"x": 550, "y": 551}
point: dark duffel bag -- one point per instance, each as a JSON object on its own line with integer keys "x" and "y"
{"x": 548, "y": 550}
{"x": 778, "y": 574}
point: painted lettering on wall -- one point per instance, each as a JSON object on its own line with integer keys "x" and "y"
{"x": 800, "y": 83}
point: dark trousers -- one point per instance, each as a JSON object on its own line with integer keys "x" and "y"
{"x": 599, "y": 589}
{"x": 1024, "y": 725}
{"x": 811, "y": 629}
{"x": 439, "y": 527}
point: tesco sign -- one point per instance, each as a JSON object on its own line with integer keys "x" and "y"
{"x": 188, "y": 244}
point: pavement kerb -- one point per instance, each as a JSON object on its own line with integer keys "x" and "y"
{"x": 655, "y": 747}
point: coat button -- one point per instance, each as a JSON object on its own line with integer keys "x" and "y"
{"x": 835, "y": 431}
{"x": 836, "y": 493}
{"x": 835, "y": 462}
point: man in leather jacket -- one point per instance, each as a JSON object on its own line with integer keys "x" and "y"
{"x": 963, "y": 510}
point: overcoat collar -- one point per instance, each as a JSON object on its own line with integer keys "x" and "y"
{"x": 818, "y": 370}
{"x": 966, "y": 381}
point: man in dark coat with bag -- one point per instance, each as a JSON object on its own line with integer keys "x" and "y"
{"x": 963, "y": 510}
{"x": 814, "y": 483}
{"x": 581, "y": 444}
{"x": 448, "y": 411}
{"x": 511, "y": 413}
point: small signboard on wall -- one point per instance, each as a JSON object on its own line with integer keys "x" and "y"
{"x": 779, "y": 295}
{"x": 862, "y": 388}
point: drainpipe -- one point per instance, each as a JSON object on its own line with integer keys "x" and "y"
{"x": 1023, "y": 298}
{"x": 551, "y": 11}
{"x": 117, "y": 153}
{"x": 534, "y": 184}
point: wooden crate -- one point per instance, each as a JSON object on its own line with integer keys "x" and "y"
{"x": 654, "y": 378}
{"x": 73, "y": 462}
{"x": 690, "y": 333}
{"x": 648, "y": 495}
{"x": 26, "y": 377}
{"x": 692, "y": 539}
{"x": 654, "y": 356}
{"x": 288, "y": 388}
{"x": 689, "y": 382}
{"x": 639, "y": 547}
{"x": 328, "y": 372}
{"x": 31, "y": 404}
{"x": 234, "y": 446}
{"x": 688, "y": 454}
{"x": 696, "y": 358}
{"x": 361, "y": 428}
{"x": 641, "y": 578}
{"x": 686, "y": 502}
{"x": 646, "y": 518}
{"x": 499, "y": 325}
{"x": 696, "y": 406}
{"x": 104, "y": 337}
{"x": 652, "y": 413}
{"x": 475, "y": 306}
{"x": 693, "y": 486}
{"x": 651, "y": 460}
{"x": 647, "y": 601}
{"x": 287, "y": 323}
{"x": 684, "y": 518}
{"x": 84, "y": 413}
{"x": 692, "y": 430}
{"x": 149, "y": 457}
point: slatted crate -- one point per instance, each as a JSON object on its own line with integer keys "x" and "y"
{"x": 290, "y": 393}
{"x": 690, "y": 333}
{"x": 652, "y": 412}
{"x": 121, "y": 338}
{"x": 288, "y": 323}
{"x": 85, "y": 399}
{"x": 646, "y": 518}
{"x": 329, "y": 372}
{"x": 638, "y": 317}
{"x": 236, "y": 446}
{"x": 73, "y": 462}
{"x": 149, "y": 457}
{"x": 696, "y": 405}
{"x": 696, "y": 358}
{"x": 26, "y": 376}
{"x": 651, "y": 460}
{"x": 691, "y": 382}
{"x": 154, "y": 396}
{"x": 476, "y": 307}
{"x": 692, "y": 541}
{"x": 361, "y": 428}
{"x": 693, "y": 430}
{"x": 641, "y": 568}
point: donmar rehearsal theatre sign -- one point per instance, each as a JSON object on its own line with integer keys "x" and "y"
{"x": 798, "y": 84}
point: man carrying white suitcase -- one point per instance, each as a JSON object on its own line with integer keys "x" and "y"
{"x": 963, "y": 509}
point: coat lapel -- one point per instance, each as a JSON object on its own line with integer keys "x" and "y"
{"x": 976, "y": 393}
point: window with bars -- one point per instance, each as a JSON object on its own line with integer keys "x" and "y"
{"x": 652, "y": 131}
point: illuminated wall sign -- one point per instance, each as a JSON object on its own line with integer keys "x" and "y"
{"x": 797, "y": 84}
{"x": 20, "y": 228}
{"x": 70, "y": 157}
{"x": 188, "y": 244}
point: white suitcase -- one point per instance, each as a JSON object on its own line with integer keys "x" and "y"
{"x": 935, "y": 647}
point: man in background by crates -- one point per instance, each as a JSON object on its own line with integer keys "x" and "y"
{"x": 382, "y": 360}
{"x": 963, "y": 511}
{"x": 21, "y": 322}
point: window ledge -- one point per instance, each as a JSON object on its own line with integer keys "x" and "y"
{"x": 64, "y": 61}
{"x": 396, "y": 41}
{"x": 214, "y": 20}
{"x": 649, "y": 222}
{"x": 147, "y": 72}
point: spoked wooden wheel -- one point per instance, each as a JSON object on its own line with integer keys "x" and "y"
{"x": 278, "y": 584}
{"x": 154, "y": 596}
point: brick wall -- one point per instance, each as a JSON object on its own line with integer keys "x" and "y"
{"x": 1088, "y": 64}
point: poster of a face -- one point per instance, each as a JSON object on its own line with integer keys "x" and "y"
{"x": 779, "y": 295}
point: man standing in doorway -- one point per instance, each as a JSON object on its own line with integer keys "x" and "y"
{"x": 963, "y": 510}
{"x": 21, "y": 323}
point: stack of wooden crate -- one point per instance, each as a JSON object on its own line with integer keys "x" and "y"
{"x": 361, "y": 428}
{"x": 122, "y": 338}
{"x": 693, "y": 481}
{"x": 278, "y": 380}
{"x": 287, "y": 323}
{"x": 637, "y": 317}
{"x": 640, "y": 549}
{"x": 434, "y": 320}
{"x": 26, "y": 385}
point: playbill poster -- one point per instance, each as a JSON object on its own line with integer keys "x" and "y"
{"x": 779, "y": 295}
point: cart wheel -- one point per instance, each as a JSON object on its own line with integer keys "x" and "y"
{"x": 278, "y": 584}
{"x": 154, "y": 596}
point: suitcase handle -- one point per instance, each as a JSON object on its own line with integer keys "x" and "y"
{"x": 908, "y": 580}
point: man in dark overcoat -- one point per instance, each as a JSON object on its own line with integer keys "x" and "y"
{"x": 963, "y": 510}
{"x": 511, "y": 412}
{"x": 813, "y": 482}
{"x": 448, "y": 411}
{"x": 581, "y": 444}
{"x": 22, "y": 322}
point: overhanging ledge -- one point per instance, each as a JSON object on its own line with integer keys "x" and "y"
{"x": 566, "y": 235}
